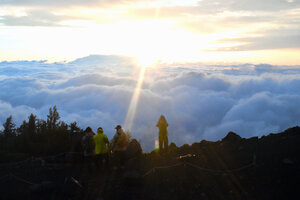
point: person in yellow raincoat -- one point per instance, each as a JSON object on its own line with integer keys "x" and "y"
{"x": 101, "y": 147}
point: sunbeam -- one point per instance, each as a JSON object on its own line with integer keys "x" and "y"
{"x": 134, "y": 101}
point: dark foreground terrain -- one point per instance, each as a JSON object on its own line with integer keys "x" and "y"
{"x": 232, "y": 168}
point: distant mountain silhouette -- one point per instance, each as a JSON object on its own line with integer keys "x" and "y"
{"x": 102, "y": 59}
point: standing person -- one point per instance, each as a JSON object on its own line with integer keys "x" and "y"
{"x": 162, "y": 125}
{"x": 88, "y": 146}
{"x": 119, "y": 144}
{"x": 101, "y": 147}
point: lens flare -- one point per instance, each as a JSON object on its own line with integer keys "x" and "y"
{"x": 156, "y": 146}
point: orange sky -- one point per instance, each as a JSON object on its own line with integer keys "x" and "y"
{"x": 172, "y": 31}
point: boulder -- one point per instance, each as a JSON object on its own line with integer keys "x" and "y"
{"x": 134, "y": 149}
{"x": 231, "y": 137}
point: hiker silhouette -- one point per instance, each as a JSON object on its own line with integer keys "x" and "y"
{"x": 88, "y": 146}
{"x": 162, "y": 125}
{"x": 119, "y": 145}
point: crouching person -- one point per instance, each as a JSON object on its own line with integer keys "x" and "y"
{"x": 101, "y": 148}
{"x": 119, "y": 145}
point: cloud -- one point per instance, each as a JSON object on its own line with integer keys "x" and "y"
{"x": 244, "y": 25}
{"x": 272, "y": 5}
{"x": 249, "y": 5}
{"x": 33, "y": 18}
{"x": 199, "y": 101}
{"x": 260, "y": 114}
{"x": 271, "y": 39}
{"x": 58, "y": 3}
{"x": 20, "y": 113}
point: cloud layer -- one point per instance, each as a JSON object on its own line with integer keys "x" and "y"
{"x": 199, "y": 101}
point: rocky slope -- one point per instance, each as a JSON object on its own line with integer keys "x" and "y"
{"x": 232, "y": 168}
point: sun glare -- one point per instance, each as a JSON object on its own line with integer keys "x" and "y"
{"x": 146, "y": 61}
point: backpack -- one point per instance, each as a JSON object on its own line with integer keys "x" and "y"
{"x": 123, "y": 140}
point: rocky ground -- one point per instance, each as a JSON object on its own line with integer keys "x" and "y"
{"x": 232, "y": 168}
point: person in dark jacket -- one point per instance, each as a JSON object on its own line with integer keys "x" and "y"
{"x": 162, "y": 125}
{"x": 88, "y": 147}
{"x": 119, "y": 145}
{"x": 87, "y": 142}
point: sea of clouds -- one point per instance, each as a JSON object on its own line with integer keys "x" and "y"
{"x": 199, "y": 101}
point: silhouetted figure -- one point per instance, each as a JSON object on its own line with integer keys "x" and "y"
{"x": 101, "y": 147}
{"x": 88, "y": 146}
{"x": 162, "y": 125}
{"x": 119, "y": 145}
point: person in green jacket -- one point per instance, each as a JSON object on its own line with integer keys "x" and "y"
{"x": 101, "y": 147}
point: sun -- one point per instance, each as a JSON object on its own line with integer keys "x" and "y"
{"x": 146, "y": 61}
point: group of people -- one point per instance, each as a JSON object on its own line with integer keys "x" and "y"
{"x": 97, "y": 147}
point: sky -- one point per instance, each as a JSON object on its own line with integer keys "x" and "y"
{"x": 209, "y": 66}
{"x": 211, "y": 31}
